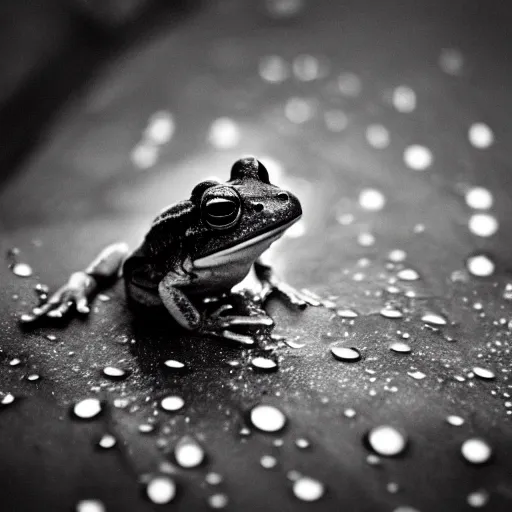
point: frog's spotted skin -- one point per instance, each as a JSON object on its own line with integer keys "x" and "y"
{"x": 201, "y": 246}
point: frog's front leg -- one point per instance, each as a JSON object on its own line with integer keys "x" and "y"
{"x": 216, "y": 324}
{"x": 272, "y": 283}
{"x": 82, "y": 285}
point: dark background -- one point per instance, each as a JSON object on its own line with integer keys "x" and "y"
{"x": 78, "y": 83}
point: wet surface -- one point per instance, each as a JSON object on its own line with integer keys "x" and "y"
{"x": 383, "y": 119}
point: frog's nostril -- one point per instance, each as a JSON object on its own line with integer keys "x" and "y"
{"x": 283, "y": 196}
{"x": 258, "y": 207}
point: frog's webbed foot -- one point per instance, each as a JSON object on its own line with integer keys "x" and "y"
{"x": 220, "y": 325}
{"x": 75, "y": 293}
{"x": 271, "y": 283}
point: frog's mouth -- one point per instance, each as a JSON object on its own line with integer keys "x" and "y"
{"x": 246, "y": 250}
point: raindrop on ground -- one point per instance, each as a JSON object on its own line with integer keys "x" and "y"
{"x": 476, "y": 450}
{"x": 114, "y": 373}
{"x": 90, "y": 506}
{"x": 87, "y": 408}
{"x": 417, "y": 157}
{"x": 480, "y": 265}
{"x": 22, "y": 270}
{"x": 188, "y": 452}
{"x": 387, "y": 441}
{"x": 161, "y": 490}
{"x": 346, "y": 354}
{"x": 267, "y": 418}
{"x": 400, "y": 347}
{"x": 172, "y": 403}
{"x": 263, "y": 363}
{"x": 483, "y": 373}
{"x": 306, "y": 488}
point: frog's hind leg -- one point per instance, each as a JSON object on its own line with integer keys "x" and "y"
{"x": 272, "y": 283}
{"x": 82, "y": 285}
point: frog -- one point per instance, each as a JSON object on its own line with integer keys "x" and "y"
{"x": 194, "y": 249}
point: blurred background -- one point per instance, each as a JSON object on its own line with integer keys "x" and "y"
{"x": 390, "y": 119}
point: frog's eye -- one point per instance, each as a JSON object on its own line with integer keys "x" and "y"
{"x": 221, "y": 212}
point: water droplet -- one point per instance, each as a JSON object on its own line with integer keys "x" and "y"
{"x": 372, "y": 200}
{"x": 22, "y": 270}
{"x": 298, "y": 110}
{"x": 107, "y": 441}
{"x": 451, "y": 61}
{"x": 161, "y": 490}
{"x": 416, "y": 375}
{"x": 172, "y": 403}
{"x": 346, "y": 354}
{"x": 87, "y": 408}
{"x": 405, "y": 508}
{"x": 294, "y": 344}
{"x": 213, "y": 478}
{"x": 400, "y": 347}
{"x": 267, "y": 418}
{"x": 302, "y": 443}
{"x": 455, "y": 421}
{"x": 224, "y": 133}
{"x": 373, "y": 460}
{"x": 268, "y": 461}
{"x": 115, "y": 373}
{"x": 146, "y": 428}
{"x": 387, "y": 441}
{"x": 349, "y": 84}
{"x": 392, "y": 487}
{"x": 347, "y": 313}
{"x": 483, "y": 373}
{"x": 264, "y": 363}
{"x": 408, "y": 274}
{"x": 306, "y": 488}
{"x": 404, "y": 99}
{"x": 476, "y": 450}
{"x": 397, "y": 256}
{"x": 175, "y": 365}
{"x": 480, "y": 135}
{"x": 390, "y": 312}
{"x": 480, "y": 265}
{"x": 365, "y": 239}
{"x": 160, "y": 128}
{"x": 90, "y": 506}
{"x": 284, "y": 8}
{"x": 479, "y": 198}
{"x": 478, "y": 498}
{"x": 274, "y": 69}
{"x": 377, "y": 136}
{"x": 14, "y": 362}
{"x": 188, "y": 452}
{"x": 483, "y": 224}
{"x": 144, "y": 155}
{"x": 434, "y": 319}
{"x": 218, "y": 500}
{"x": 33, "y": 377}
{"x": 418, "y": 158}
{"x": 306, "y": 68}
{"x": 335, "y": 120}
{"x": 349, "y": 413}
{"x": 7, "y": 399}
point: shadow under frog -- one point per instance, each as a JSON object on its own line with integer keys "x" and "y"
{"x": 196, "y": 249}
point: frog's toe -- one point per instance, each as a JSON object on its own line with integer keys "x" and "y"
{"x": 243, "y": 339}
{"x": 61, "y": 310}
{"x": 249, "y": 321}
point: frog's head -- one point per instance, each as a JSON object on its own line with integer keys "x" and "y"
{"x": 242, "y": 217}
